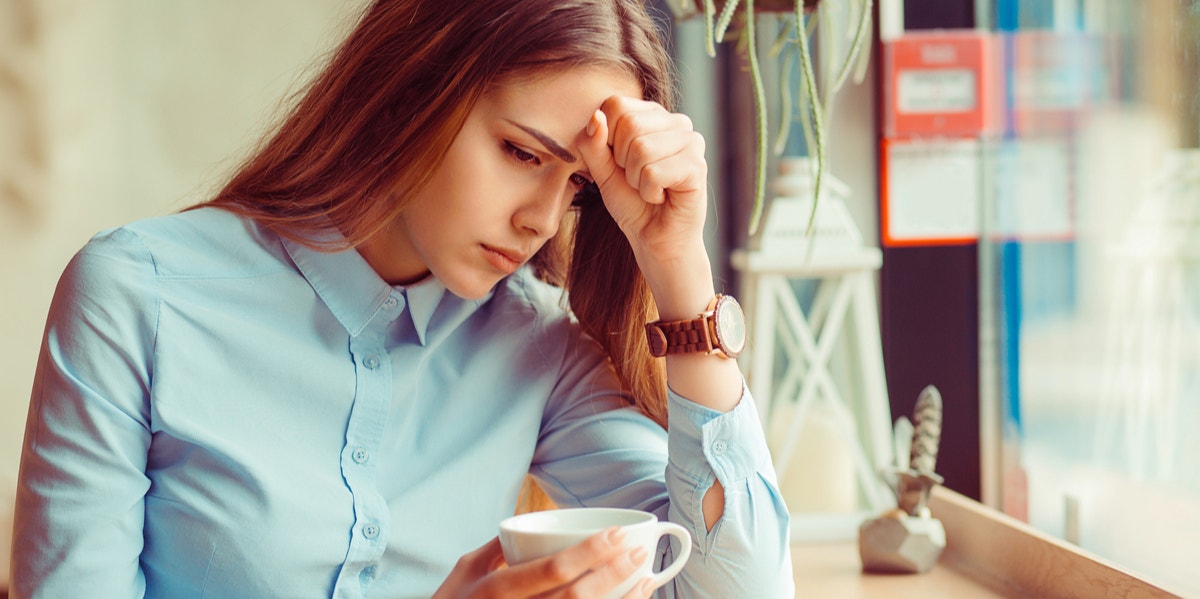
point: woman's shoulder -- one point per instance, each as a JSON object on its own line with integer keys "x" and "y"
{"x": 544, "y": 312}
{"x": 203, "y": 242}
{"x": 522, "y": 302}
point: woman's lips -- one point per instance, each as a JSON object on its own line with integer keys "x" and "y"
{"x": 505, "y": 261}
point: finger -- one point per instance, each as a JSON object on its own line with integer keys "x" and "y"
{"x": 596, "y": 154}
{"x": 617, "y": 107}
{"x": 606, "y": 577}
{"x": 471, "y": 568}
{"x": 486, "y": 558}
{"x": 489, "y": 556}
{"x": 671, "y": 160}
{"x": 642, "y": 590}
{"x": 609, "y": 177}
{"x": 629, "y": 128}
{"x": 651, "y": 147}
{"x": 558, "y": 570}
{"x": 680, "y": 176}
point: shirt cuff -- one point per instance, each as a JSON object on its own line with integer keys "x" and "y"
{"x": 702, "y": 442}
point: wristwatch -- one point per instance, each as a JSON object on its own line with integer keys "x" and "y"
{"x": 720, "y": 329}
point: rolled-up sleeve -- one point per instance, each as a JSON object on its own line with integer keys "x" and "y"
{"x": 746, "y": 552}
{"x": 596, "y": 450}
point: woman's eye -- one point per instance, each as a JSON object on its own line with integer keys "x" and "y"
{"x": 588, "y": 193}
{"x": 520, "y": 154}
{"x": 579, "y": 180}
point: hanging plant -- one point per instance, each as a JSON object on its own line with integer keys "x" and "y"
{"x": 798, "y": 20}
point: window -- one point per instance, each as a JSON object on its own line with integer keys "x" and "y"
{"x": 1090, "y": 280}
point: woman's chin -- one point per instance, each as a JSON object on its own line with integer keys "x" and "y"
{"x": 471, "y": 290}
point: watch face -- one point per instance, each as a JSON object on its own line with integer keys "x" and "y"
{"x": 731, "y": 326}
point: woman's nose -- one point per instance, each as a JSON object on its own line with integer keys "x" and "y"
{"x": 541, "y": 214}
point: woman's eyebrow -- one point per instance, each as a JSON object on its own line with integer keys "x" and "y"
{"x": 552, "y": 146}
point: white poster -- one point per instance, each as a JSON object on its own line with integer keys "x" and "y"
{"x": 932, "y": 191}
{"x": 1033, "y": 189}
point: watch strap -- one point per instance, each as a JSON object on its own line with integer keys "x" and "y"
{"x": 679, "y": 337}
{"x": 683, "y": 336}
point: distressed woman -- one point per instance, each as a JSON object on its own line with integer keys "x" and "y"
{"x": 431, "y": 283}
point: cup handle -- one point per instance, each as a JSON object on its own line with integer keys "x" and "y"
{"x": 685, "y": 544}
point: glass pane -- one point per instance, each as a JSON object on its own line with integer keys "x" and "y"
{"x": 1090, "y": 278}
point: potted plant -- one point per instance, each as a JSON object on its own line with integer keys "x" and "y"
{"x": 798, "y": 20}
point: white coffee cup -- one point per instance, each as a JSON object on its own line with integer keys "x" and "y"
{"x": 534, "y": 535}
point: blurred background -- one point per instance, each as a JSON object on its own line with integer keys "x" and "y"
{"x": 116, "y": 110}
{"x": 1028, "y": 171}
{"x": 1090, "y": 279}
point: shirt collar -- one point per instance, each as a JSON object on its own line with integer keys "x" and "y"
{"x": 351, "y": 289}
{"x": 423, "y": 298}
{"x": 355, "y": 293}
{"x": 435, "y": 310}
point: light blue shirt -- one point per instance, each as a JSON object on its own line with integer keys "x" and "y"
{"x": 219, "y": 412}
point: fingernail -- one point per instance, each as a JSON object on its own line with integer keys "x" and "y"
{"x": 646, "y": 586}
{"x": 593, "y": 124}
{"x": 638, "y": 555}
{"x": 616, "y": 535}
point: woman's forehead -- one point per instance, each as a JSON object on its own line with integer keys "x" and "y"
{"x": 534, "y": 78}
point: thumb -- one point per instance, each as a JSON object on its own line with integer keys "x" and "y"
{"x": 488, "y": 557}
{"x": 597, "y": 154}
{"x": 609, "y": 177}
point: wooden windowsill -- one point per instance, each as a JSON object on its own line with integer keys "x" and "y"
{"x": 988, "y": 554}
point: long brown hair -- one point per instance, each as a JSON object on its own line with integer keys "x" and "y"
{"x": 377, "y": 121}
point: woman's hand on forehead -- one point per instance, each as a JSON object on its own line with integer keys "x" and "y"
{"x": 649, "y": 166}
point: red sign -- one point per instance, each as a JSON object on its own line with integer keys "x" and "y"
{"x": 941, "y": 83}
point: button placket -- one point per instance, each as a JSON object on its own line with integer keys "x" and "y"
{"x": 373, "y": 391}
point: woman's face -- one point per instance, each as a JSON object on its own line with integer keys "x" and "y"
{"x": 507, "y": 180}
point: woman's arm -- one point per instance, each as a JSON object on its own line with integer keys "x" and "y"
{"x": 649, "y": 165}
{"x": 596, "y": 450}
{"x": 79, "y": 504}
{"x": 650, "y": 168}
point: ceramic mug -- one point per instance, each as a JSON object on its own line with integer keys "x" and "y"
{"x": 538, "y": 534}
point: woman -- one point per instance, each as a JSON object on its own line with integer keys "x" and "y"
{"x": 332, "y": 378}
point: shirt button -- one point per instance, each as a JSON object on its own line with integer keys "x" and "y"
{"x": 389, "y": 303}
{"x": 371, "y": 362}
{"x": 360, "y": 455}
{"x": 719, "y": 447}
{"x": 370, "y": 531}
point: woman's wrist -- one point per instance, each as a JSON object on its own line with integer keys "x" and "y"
{"x": 682, "y": 287}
